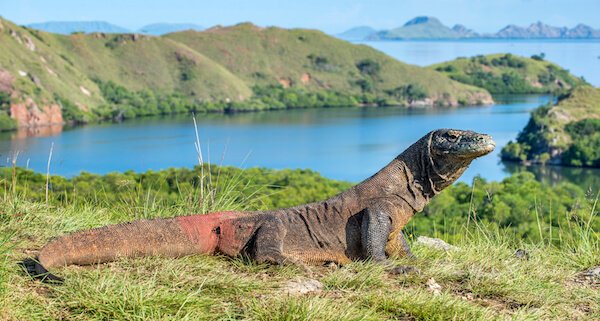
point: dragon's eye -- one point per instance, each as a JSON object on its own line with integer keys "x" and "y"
{"x": 452, "y": 137}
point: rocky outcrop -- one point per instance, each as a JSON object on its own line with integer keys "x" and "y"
{"x": 28, "y": 114}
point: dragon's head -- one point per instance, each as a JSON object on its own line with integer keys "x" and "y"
{"x": 449, "y": 154}
{"x": 461, "y": 145}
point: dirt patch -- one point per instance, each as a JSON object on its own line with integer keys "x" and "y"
{"x": 285, "y": 82}
{"x": 29, "y": 43}
{"x": 305, "y": 79}
{"x": 6, "y": 81}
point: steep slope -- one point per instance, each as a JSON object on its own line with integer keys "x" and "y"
{"x": 42, "y": 75}
{"x": 69, "y": 27}
{"x": 509, "y": 74}
{"x": 33, "y": 74}
{"x": 142, "y": 62}
{"x": 567, "y": 133}
{"x": 313, "y": 60}
{"x": 49, "y": 78}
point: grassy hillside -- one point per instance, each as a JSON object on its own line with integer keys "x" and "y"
{"x": 481, "y": 279}
{"x": 313, "y": 60}
{"x": 32, "y": 73}
{"x": 567, "y": 133}
{"x": 510, "y": 74}
{"x": 49, "y": 77}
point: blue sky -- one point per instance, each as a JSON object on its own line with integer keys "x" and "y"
{"x": 331, "y": 16}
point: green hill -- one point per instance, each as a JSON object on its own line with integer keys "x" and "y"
{"x": 418, "y": 28}
{"x": 509, "y": 74}
{"x": 567, "y": 133}
{"x": 49, "y": 78}
{"x": 312, "y": 60}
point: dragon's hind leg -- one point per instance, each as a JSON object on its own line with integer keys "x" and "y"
{"x": 268, "y": 242}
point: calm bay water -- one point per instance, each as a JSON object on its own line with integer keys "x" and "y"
{"x": 341, "y": 143}
{"x": 581, "y": 57}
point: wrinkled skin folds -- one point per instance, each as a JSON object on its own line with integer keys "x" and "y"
{"x": 363, "y": 222}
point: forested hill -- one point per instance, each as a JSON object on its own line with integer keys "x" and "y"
{"x": 510, "y": 74}
{"x": 567, "y": 133}
{"x": 49, "y": 78}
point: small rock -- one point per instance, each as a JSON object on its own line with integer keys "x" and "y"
{"x": 303, "y": 287}
{"x": 522, "y": 254}
{"x": 434, "y": 287}
{"x": 590, "y": 276}
{"x": 435, "y": 243}
{"x": 85, "y": 91}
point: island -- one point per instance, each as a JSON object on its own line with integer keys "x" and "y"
{"x": 510, "y": 74}
{"x": 48, "y": 78}
{"x": 566, "y": 133}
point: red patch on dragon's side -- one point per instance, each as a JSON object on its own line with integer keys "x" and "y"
{"x": 204, "y": 230}
{"x": 234, "y": 236}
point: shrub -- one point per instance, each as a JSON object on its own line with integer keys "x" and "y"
{"x": 369, "y": 67}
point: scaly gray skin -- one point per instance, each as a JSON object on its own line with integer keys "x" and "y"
{"x": 364, "y": 222}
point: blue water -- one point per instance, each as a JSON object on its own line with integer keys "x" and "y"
{"x": 581, "y": 57}
{"x": 341, "y": 143}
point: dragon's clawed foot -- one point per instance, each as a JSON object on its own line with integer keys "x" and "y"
{"x": 403, "y": 270}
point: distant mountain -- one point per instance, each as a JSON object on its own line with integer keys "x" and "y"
{"x": 357, "y": 33}
{"x": 431, "y": 28}
{"x": 540, "y": 30}
{"x": 464, "y": 32}
{"x": 418, "y": 28}
{"x": 69, "y": 27}
{"x": 159, "y": 29}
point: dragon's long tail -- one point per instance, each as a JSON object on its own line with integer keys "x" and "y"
{"x": 173, "y": 237}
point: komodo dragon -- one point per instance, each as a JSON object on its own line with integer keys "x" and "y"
{"x": 363, "y": 222}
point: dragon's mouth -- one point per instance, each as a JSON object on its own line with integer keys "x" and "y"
{"x": 483, "y": 145}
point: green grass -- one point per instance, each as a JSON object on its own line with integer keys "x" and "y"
{"x": 217, "y": 65}
{"x": 481, "y": 280}
{"x": 509, "y": 74}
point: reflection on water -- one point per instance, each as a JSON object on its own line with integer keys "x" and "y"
{"x": 586, "y": 178}
{"x": 341, "y": 143}
{"x": 28, "y": 132}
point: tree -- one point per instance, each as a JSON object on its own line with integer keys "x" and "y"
{"x": 369, "y": 67}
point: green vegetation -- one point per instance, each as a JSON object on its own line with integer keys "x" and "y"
{"x": 567, "y": 133}
{"x": 585, "y": 150}
{"x": 6, "y": 123}
{"x": 514, "y": 205}
{"x": 220, "y": 69}
{"x": 510, "y": 74}
{"x": 480, "y": 280}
